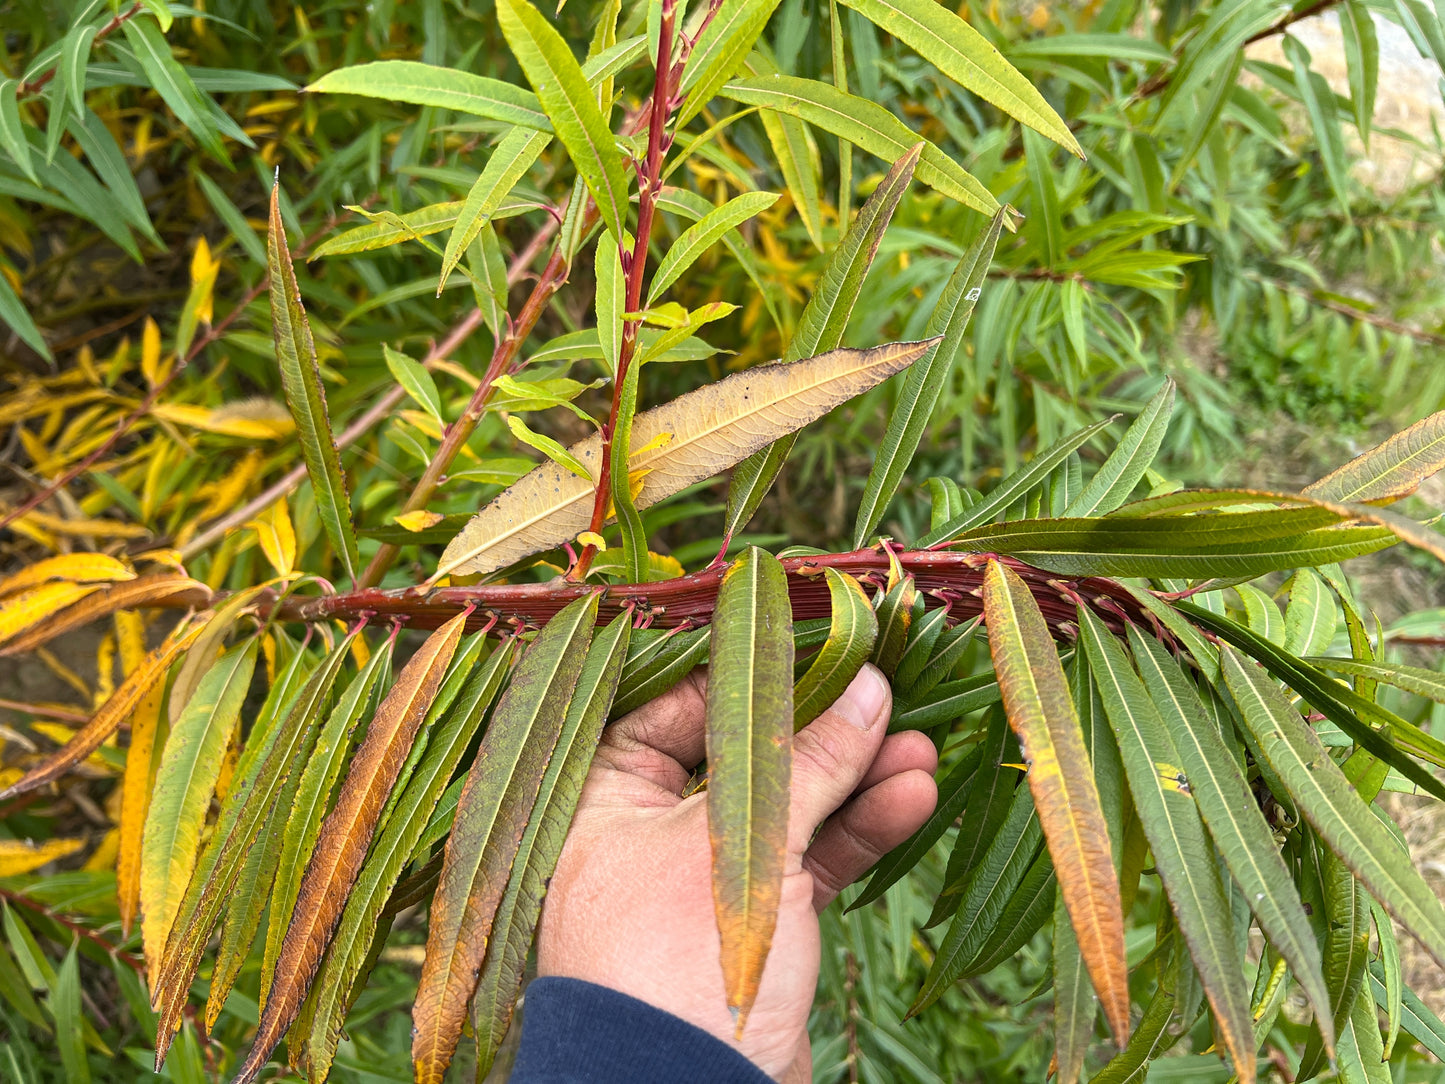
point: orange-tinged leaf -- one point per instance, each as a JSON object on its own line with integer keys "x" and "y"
{"x": 419, "y": 520}
{"x": 1061, "y": 778}
{"x": 22, "y": 856}
{"x": 135, "y": 794}
{"x": 205, "y": 650}
{"x": 104, "y": 600}
{"x": 750, "y": 762}
{"x": 492, "y": 813}
{"x": 70, "y": 567}
{"x": 105, "y": 721}
{"x": 30, "y": 609}
{"x": 345, "y": 835}
{"x": 712, "y": 428}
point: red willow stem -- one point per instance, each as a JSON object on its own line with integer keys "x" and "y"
{"x": 649, "y": 182}
{"x": 944, "y": 578}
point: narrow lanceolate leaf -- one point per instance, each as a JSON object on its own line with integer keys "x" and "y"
{"x": 711, "y": 429}
{"x": 185, "y": 783}
{"x": 796, "y": 154}
{"x": 1182, "y": 852}
{"x": 446, "y": 88}
{"x": 107, "y": 720}
{"x": 1120, "y": 473}
{"x": 346, "y": 834}
{"x": 70, "y": 568}
{"x": 12, "y": 129}
{"x": 865, "y": 124}
{"x": 851, "y": 633}
{"x": 1235, "y": 822}
{"x": 570, "y": 104}
{"x": 301, "y": 379}
{"x": 262, "y": 773}
{"x": 895, "y": 617}
{"x": 720, "y": 51}
{"x": 516, "y": 923}
{"x": 204, "y": 652}
{"x": 302, "y": 825}
{"x": 821, "y": 327}
{"x": 1076, "y": 1006}
{"x": 1061, "y": 778}
{"x": 702, "y": 235}
{"x": 1413, "y": 679}
{"x": 136, "y": 787}
{"x": 926, "y": 380}
{"x": 647, "y": 675}
{"x": 1326, "y": 799}
{"x": 514, "y": 155}
{"x": 750, "y": 759}
{"x": 397, "y": 843}
{"x": 1390, "y": 470}
{"x": 492, "y": 814}
{"x": 967, "y": 57}
{"x": 95, "y": 601}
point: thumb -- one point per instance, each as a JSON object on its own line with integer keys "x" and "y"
{"x": 832, "y": 754}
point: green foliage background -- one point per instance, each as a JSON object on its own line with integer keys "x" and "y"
{"x": 1214, "y": 234}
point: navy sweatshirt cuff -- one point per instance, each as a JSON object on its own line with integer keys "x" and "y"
{"x": 578, "y": 1031}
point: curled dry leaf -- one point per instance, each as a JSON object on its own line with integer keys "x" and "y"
{"x": 712, "y": 428}
{"x": 346, "y": 834}
{"x": 97, "y": 602}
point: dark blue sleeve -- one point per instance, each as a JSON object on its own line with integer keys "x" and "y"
{"x": 574, "y": 1031}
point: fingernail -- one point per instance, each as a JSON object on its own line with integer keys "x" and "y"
{"x": 862, "y": 702}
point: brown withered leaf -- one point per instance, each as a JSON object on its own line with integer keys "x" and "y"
{"x": 107, "y": 720}
{"x": 1041, "y": 711}
{"x": 493, "y": 809}
{"x": 711, "y": 429}
{"x": 169, "y": 587}
{"x": 345, "y": 836}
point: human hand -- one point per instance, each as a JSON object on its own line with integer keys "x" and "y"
{"x": 630, "y": 906}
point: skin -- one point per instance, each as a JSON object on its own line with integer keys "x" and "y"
{"x": 630, "y": 906}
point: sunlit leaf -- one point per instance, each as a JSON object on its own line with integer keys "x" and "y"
{"x": 1390, "y": 470}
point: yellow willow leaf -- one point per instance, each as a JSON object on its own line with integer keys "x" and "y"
{"x": 92, "y": 528}
{"x": 72, "y": 568}
{"x": 135, "y": 801}
{"x": 103, "y": 601}
{"x": 346, "y": 834}
{"x": 712, "y": 428}
{"x": 227, "y": 424}
{"x": 150, "y": 352}
{"x": 21, "y": 856}
{"x": 419, "y": 520}
{"x": 277, "y": 536}
{"x": 105, "y": 722}
{"x": 1042, "y": 714}
{"x": 30, "y": 608}
{"x": 105, "y": 854}
{"x": 1390, "y": 470}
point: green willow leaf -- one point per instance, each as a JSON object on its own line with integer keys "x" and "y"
{"x": 895, "y": 617}
{"x": 1391, "y": 469}
{"x": 922, "y": 636}
{"x": 169, "y": 79}
{"x": 1413, "y": 679}
{"x": 987, "y": 806}
{"x": 1041, "y": 711}
{"x": 1310, "y": 618}
{"x": 1182, "y": 852}
{"x": 491, "y": 817}
{"x": 1151, "y": 1037}
{"x": 1346, "y": 959}
{"x": 400, "y": 840}
{"x": 1015, "y": 487}
{"x": 1319, "y": 103}
{"x": 511, "y": 159}
{"x": 947, "y": 703}
{"x": 516, "y": 923}
{"x": 851, "y": 635}
{"x": 749, "y": 756}
{"x": 1394, "y": 980}
{"x": 926, "y": 379}
{"x": 1075, "y": 1004}
{"x": 185, "y": 782}
{"x": 1326, "y": 799}
{"x": 720, "y": 52}
{"x": 418, "y": 383}
{"x": 953, "y": 792}
{"x": 444, "y": 88}
{"x": 1235, "y": 822}
{"x": 992, "y": 883}
{"x": 821, "y": 327}
{"x": 12, "y": 130}
{"x": 651, "y": 672}
{"x": 969, "y": 59}
{"x": 1031, "y": 905}
{"x": 267, "y": 763}
{"x": 570, "y": 104}
{"x": 702, "y": 235}
{"x": 1362, "y": 63}
{"x": 1416, "y": 1018}
{"x": 947, "y": 655}
{"x": 305, "y": 395}
{"x": 1126, "y": 465}
{"x": 64, "y": 1005}
{"x": 865, "y": 124}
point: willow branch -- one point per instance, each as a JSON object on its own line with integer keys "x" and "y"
{"x": 34, "y": 86}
